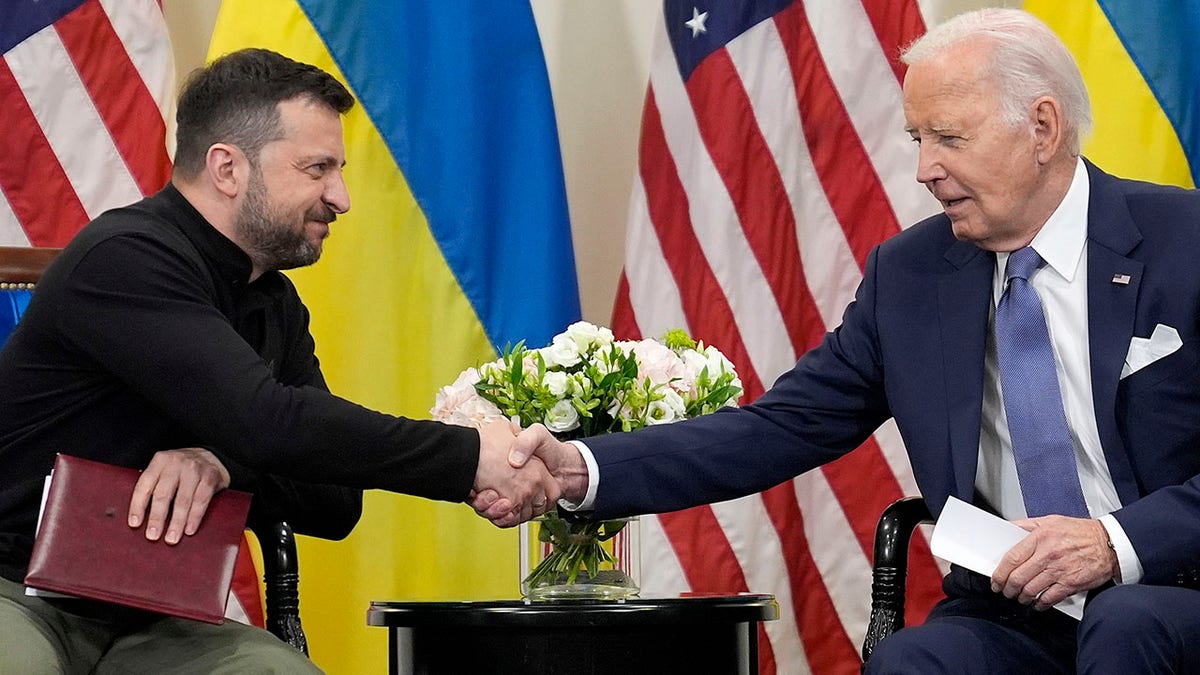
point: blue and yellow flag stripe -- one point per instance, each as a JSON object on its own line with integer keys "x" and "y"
{"x": 1138, "y": 59}
{"x": 457, "y": 243}
{"x": 455, "y": 89}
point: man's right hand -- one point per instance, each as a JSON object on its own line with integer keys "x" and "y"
{"x": 563, "y": 461}
{"x": 181, "y": 481}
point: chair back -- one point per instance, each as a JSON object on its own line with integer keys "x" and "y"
{"x": 889, "y": 571}
{"x": 21, "y": 267}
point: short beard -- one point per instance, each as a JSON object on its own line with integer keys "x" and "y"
{"x": 271, "y": 243}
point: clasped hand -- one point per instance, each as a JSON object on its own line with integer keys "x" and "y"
{"x": 521, "y": 477}
{"x": 514, "y": 493}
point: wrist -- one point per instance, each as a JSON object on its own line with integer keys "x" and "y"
{"x": 579, "y": 476}
{"x": 1114, "y": 561}
{"x": 574, "y": 476}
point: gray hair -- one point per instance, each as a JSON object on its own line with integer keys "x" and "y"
{"x": 1030, "y": 62}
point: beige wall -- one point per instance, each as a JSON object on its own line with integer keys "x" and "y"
{"x": 597, "y": 54}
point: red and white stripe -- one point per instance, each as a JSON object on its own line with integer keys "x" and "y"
{"x": 86, "y": 104}
{"x": 763, "y": 183}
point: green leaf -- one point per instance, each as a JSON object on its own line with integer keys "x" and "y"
{"x": 610, "y": 528}
{"x": 559, "y": 529}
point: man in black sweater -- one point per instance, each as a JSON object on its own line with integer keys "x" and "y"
{"x": 165, "y": 338}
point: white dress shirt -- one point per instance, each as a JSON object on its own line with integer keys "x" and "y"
{"x": 1062, "y": 286}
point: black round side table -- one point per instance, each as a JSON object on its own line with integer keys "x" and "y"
{"x": 686, "y": 634}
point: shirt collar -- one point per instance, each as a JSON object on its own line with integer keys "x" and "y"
{"x": 1061, "y": 240}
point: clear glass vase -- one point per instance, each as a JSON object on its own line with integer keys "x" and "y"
{"x": 562, "y": 559}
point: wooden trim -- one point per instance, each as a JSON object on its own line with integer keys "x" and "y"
{"x": 24, "y": 264}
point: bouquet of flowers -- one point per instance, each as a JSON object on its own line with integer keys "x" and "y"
{"x": 585, "y": 383}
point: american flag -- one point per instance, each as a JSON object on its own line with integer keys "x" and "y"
{"x": 87, "y": 90}
{"x": 772, "y": 158}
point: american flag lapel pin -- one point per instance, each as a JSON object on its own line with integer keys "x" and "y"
{"x": 1122, "y": 279}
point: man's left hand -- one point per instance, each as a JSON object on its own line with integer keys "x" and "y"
{"x": 1061, "y": 557}
{"x": 181, "y": 482}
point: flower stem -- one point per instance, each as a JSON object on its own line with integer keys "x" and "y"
{"x": 575, "y": 547}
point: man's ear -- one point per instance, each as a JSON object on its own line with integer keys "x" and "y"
{"x": 1048, "y": 128}
{"x": 227, "y": 169}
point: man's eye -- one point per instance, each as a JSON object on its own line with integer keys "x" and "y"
{"x": 317, "y": 169}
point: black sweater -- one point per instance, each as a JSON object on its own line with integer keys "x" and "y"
{"x": 145, "y": 335}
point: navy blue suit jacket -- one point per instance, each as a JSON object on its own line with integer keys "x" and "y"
{"x": 911, "y": 346}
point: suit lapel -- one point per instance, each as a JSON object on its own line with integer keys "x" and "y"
{"x": 1112, "y": 308}
{"x": 964, "y": 299}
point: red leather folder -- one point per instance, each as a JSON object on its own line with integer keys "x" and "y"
{"x": 85, "y": 547}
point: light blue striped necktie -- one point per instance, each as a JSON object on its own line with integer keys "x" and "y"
{"x": 1037, "y": 424}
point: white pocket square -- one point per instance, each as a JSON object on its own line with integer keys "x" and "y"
{"x": 1144, "y": 351}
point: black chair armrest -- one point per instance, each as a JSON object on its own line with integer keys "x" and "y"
{"x": 892, "y": 536}
{"x": 281, "y": 578}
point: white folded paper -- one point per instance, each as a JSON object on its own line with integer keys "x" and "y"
{"x": 977, "y": 540}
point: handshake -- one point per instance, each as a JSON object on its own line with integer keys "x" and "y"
{"x": 521, "y": 476}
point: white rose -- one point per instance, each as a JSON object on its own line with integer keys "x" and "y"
{"x": 588, "y": 335}
{"x": 717, "y": 363}
{"x": 557, "y": 383}
{"x": 562, "y": 352}
{"x": 659, "y": 412}
{"x": 562, "y": 417}
{"x": 675, "y": 402}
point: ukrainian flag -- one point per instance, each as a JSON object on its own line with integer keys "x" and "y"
{"x": 1141, "y": 62}
{"x": 457, "y": 243}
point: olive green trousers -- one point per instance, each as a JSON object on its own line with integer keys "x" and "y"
{"x": 65, "y": 636}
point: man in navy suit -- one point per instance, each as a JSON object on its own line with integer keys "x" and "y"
{"x": 998, "y": 108}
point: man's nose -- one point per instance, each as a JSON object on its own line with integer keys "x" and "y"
{"x": 337, "y": 197}
{"x": 929, "y": 168}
